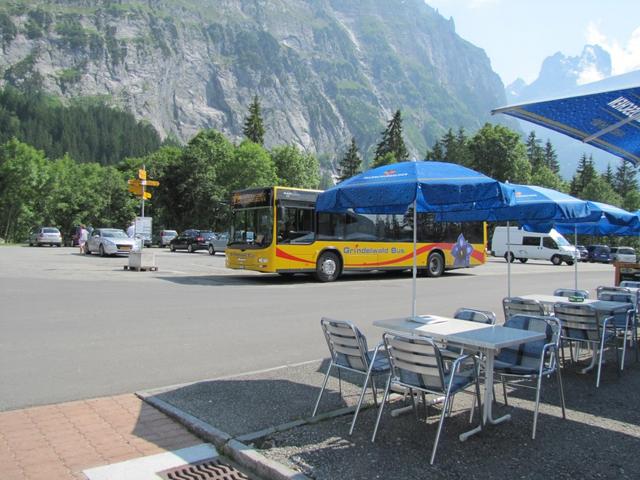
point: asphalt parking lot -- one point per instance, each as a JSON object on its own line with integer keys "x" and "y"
{"x": 77, "y": 326}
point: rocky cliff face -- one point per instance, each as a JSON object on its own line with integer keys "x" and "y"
{"x": 324, "y": 70}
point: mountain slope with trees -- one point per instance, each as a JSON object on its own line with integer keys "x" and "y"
{"x": 324, "y": 70}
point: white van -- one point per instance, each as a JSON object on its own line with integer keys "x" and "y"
{"x": 537, "y": 246}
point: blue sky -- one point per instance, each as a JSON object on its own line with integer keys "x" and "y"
{"x": 519, "y": 34}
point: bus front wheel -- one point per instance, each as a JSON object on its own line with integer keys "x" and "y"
{"x": 435, "y": 264}
{"x": 328, "y": 267}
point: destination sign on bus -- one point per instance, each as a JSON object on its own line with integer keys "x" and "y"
{"x": 251, "y": 198}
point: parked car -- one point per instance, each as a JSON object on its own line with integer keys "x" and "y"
{"x": 109, "y": 241}
{"x": 599, "y": 253}
{"x": 623, "y": 254}
{"x": 45, "y": 236}
{"x": 583, "y": 252}
{"x": 218, "y": 243}
{"x": 163, "y": 237}
{"x": 191, "y": 240}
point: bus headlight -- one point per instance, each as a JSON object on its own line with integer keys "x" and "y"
{"x": 263, "y": 260}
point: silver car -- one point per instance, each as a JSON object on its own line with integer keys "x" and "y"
{"x": 109, "y": 241}
{"x": 45, "y": 236}
{"x": 623, "y": 254}
{"x": 218, "y": 243}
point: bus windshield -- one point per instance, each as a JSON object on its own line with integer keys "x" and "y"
{"x": 252, "y": 227}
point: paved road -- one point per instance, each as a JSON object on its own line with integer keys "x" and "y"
{"x": 77, "y": 327}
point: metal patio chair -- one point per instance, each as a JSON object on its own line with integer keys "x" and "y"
{"x": 532, "y": 360}
{"x": 580, "y": 324}
{"x": 625, "y": 319}
{"x": 417, "y": 364}
{"x": 570, "y": 292}
{"x": 349, "y": 352}
{"x": 521, "y": 306}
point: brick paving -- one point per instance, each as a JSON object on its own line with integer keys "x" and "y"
{"x": 60, "y": 441}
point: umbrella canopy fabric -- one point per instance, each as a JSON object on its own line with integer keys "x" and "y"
{"x": 533, "y": 204}
{"x": 434, "y": 186}
{"x": 607, "y": 120}
{"x": 611, "y": 221}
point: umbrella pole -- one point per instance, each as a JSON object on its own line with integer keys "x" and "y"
{"x": 415, "y": 261}
{"x": 508, "y": 262}
{"x": 575, "y": 244}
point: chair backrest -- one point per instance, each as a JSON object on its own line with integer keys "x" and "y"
{"x": 579, "y": 322}
{"x": 603, "y": 289}
{"x": 524, "y": 306}
{"x": 570, "y": 292}
{"x": 629, "y": 284}
{"x": 529, "y": 354}
{"x": 415, "y": 362}
{"x": 614, "y": 296}
{"x": 347, "y": 345}
{"x": 473, "y": 315}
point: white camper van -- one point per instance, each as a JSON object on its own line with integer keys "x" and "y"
{"x": 537, "y": 246}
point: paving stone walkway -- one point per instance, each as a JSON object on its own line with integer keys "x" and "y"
{"x": 60, "y": 441}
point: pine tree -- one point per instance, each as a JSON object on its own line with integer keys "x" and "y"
{"x": 391, "y": 148}
{"x": 436, "y": 153}
{"x": 608, "y": 176}
{"x": 535, "y": 153}
{"x": 585, "y": 174}
{"x": 551, "y": 157}
{"x": 625, "y": 178}
{"x": 253, "y": 128}
{"x": 351, "y": 163}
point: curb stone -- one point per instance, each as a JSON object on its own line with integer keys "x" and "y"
{"x": 242, "y": 454}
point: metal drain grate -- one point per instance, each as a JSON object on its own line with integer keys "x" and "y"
{"x": 212, "y": 469}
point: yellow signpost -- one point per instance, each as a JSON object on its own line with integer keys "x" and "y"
{"x": 138, "y": 186}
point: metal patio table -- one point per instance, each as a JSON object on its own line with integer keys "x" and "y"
{"x": 487, "y": 339}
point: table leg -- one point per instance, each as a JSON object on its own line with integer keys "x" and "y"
{"x": 487, "y": 410}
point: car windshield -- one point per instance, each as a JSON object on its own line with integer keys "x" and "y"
{"x": 114, "y": 234}
{"x": 50, "y": 230}
{"x": 561, "y": 241}
{"x": 170, "y": 232}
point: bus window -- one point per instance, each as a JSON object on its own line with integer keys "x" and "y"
{"x": 295, "y": 225}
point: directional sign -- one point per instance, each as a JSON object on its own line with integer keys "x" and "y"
{"x": 135, "y": 181}
{"x": 151, "y": 183}
{"x": 142, "y": 174}
{"x": 135, "y": 189}
{"x": 147, "y": 195}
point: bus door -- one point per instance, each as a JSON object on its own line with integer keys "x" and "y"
{"x": 294, "y": 234}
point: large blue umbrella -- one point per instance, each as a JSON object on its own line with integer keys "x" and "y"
{"x": 533, "y": 204}
{"x": 433, "y": 187}
{"x": 607, "y": 120}
{"x": 610, "y": 221}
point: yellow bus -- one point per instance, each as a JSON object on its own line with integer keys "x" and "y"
{"x": 277, "y": 230}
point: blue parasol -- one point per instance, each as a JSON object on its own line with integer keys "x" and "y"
{"x": 432, "y": 187}
{"x": 607, "y": 120}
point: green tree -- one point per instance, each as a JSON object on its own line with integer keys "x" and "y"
{"x": 545, "y": 177}
{"x": 23, "y": 177}
{"x": 253, "y": 127}
{"x": 192, "y": 183}
{"x": 498, "y": 152}
{"x": 625, "y": 178}
{"x": 351, "y": 163}
{"x": 295, "y": 168}
{"x": 436, "y": 153}
{"x": 551, "y": 157}
{"x": 598, "y": 190}
{"x": 391, "y": 143}
{"x": 631, "y": 201}
{"x": 535, "y": 153}
{"x": 608, "y": 176}
{"x": 585, "y": 174}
